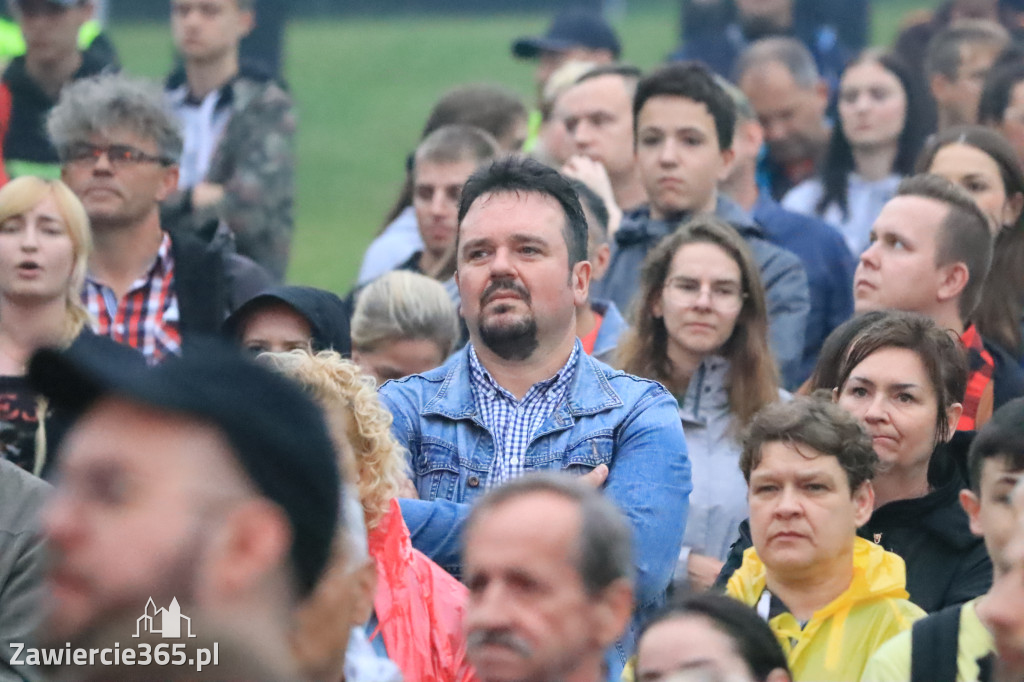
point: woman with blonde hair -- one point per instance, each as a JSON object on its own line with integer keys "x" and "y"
{"x": 404, "y": 323}
{"x": 45, "y": 243}
{"x": 417, "y": 608}
{"x": 700, "y": 327}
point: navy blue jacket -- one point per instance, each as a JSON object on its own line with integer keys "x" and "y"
{"x": 784, "y": 279}
{"x": 829, "y": 265}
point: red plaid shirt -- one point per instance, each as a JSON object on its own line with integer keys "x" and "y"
{"x": 147, "y": 317}
{"x": 980, "y": 368}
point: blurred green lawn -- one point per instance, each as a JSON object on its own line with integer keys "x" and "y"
{"x": 364, "y": 87}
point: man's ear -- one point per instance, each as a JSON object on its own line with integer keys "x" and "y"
{"x": 579, "y": 280}
{"x": 864, "y": 503}
{"x": 612, "y": 612}
{"x": 953, "y": 278}
{"x": 247, "y": 21}
{"x": 169, "y": 182}
{"x": 253, "y": 542}
{"x": 971, "y": 503}
{"x": 728, "y": 156}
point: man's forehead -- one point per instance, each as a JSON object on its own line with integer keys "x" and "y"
{"x": 912, "y": 213}
{"x": 455, "y": 171}
{"x": 117, "y": 428}
{"x": 675, "y": 112}
{"x": 585, "y": 94}
{"x": 122, "y": 135}
{"x": 511, "y": 206}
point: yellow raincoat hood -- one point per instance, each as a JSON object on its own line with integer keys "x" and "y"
{"x": 840, "y": 637}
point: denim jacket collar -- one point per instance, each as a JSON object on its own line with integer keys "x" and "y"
{"x": 589, "y": 392}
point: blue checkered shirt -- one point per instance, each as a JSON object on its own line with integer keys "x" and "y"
{"x": 513, "y": 422}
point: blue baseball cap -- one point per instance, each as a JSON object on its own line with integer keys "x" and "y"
{"x": 572, "y": 28}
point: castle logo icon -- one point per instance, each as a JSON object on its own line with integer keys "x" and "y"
{"x": 164, "y": 622}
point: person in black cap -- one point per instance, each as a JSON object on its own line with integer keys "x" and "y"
{"x": 284, "y": 318}
{"x": 574, "y": 34}
{"x": 209, "y": 483}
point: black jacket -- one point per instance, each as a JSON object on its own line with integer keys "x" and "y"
{"x": 946, "y": 563}
{"x": 210, "y": 281}
{"x": 26, "y": 138}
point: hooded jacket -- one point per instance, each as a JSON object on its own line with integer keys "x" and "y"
{"x": 946, "y": 563}
{"x": 838, "y": 640}
{"x": 327, "y": 314}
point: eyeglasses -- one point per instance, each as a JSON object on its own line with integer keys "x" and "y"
{"x": 724, "y": 296}
{"x": 117, "y": 154}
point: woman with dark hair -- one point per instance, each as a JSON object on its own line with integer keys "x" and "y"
{"x": 904, "y": 377}
{"x": 981, "y": 161}
{"x": 701, "y": 329}
{"x": 717, "y": 637}
{"x": 876, "y": 138}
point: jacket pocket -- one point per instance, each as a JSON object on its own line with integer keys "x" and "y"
{"x": 437, "y": 470}
{"x": 589, "y": 453}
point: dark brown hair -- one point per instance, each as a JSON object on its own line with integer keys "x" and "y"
{"x": 817, "y": 424}
{"x": 643, "y": 350}
{"x": 942, "y": 355}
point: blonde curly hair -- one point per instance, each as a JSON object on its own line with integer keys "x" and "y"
{"x": 360, "y": 425}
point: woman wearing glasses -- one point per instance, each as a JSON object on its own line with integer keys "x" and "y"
{"x": 701, "y": 328}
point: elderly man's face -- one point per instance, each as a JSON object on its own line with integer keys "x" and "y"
{"x": 793, "y": 116}
{"x": 529, "y": 616}
{"x": 137, "y": 508}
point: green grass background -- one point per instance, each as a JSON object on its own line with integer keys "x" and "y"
{"x": 363, "y": 87}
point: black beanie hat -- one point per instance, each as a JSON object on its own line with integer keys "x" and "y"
{"x": 277, "y": 433}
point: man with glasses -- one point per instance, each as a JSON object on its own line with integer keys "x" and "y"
{"x": 146, "y": 287}
{"x": 32, "y": 82}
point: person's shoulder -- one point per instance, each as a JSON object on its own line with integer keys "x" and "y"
{"x": 253, "y": 88}
{"x": 627, "y": 386}
{"x": 804, "y": 196}
{"x": 22, "y": 497}
{"x": 891, "y": 661}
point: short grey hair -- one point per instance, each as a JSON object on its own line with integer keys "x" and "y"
{"x": 604, "y": 553}
{"x": 789, "y": 52}
{"x": 113, "y": 102}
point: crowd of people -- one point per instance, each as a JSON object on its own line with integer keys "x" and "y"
{"x": 713, "y": 371}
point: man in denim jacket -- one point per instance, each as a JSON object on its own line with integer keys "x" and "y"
{"x": 523, "y": 396}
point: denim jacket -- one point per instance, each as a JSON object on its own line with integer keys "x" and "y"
{"x": 608, "y": 417}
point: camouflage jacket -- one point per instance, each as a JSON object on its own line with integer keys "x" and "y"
{"x": 254, "y": 161}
